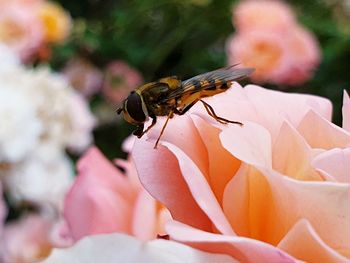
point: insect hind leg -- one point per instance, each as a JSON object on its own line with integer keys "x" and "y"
{"x": 186, "y": 108}
{"x": 212, "y": 113}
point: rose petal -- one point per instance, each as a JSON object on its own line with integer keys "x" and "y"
{"x": 250, "y": 143}
{"x": 266, "y": 107}
{"x": 182, "y": 132}
{"x": 336, "y": 163}
{"x": 240, "y": 248}
{"x": 201, "y": 190}
{"x": 219, "y": 174}
{"x": 322, "y": 133}
{"x": 101, "y": 194}
{"x": 94, "y": 164}
{"x": 346, "y": 111}
{"x": 273, "y": 204}
{"x": 160, "y": 174}
{"x": 292, "y": 155}
{"x": 249, "y": 204}
{"x": 273, "y": 107}
{"x": 144, "y": 222}
{"x": 303, "y": 243}
{"x": 123, "y": 248}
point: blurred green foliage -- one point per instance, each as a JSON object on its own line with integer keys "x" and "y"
{"x": 185, "y": 38}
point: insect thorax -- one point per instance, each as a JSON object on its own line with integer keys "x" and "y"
{"x": 155, "y": 98}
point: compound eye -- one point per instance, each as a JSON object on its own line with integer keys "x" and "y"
{"x": 134, "y": 107}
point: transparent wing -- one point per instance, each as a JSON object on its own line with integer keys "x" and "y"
{"x": 210, "y": 80}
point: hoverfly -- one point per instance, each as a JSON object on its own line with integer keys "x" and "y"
{"x": 170, "y": 95}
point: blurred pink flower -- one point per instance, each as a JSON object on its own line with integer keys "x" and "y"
{"x": 265, "y": 51}
{"x": 274, "y": 190}
{"x": 262, "y": 14}
{"x": 104, "y": 200}
{"x": 83, "y": 76}
{"x": 120, "y": 79}
{"x": 26, "y": 240}
{"x": 270, "y": 40}
{"x": 20, "y": 27}
{"x": 304, "y": 54}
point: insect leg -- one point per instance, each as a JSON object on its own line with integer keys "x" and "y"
{"x": 154, "y": 121}
{"x": 139, "y": 131}
{"x": 185, "y": 109}
{"x": 212, "y": 113}
{"x": 165, "y": 124}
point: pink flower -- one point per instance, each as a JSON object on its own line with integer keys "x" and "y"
{"x": 26, "y": 240}
{"x": 265, "y": 51}
{"x": 270, "y": 40}
{"x": 263, "y": 14}
{"x": 104, "y": 200}
{"x": 20, "y": 27}
{"x": 83, "y": 76}
{"x": 346, "y": 112}
{"x": 274, "y": 190}
{"x": 120, "y": 79}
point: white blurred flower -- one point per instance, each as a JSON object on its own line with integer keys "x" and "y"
{"x": 123, "y": 248}
{"x": 53, "y": 97}
{"x": 82, "y": 123}
{"x": 43, "y": 178}
{"x": 62, "y": 118}
{"x": 20, "y": 127}
{"x": 51, "y": 94}
{"x": 41, "y": 116}
{"x": 8, "y": 58}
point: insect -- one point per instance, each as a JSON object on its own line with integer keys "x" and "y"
{"x": 170, "y": 95}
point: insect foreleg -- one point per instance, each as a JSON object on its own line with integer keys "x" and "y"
{"x": 212, "y": 113}
{"x": 170, "y": 115}
{"x": 154, "y": 121}
{"x": 139, "y": 131}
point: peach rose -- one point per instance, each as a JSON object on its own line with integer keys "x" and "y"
{"x": 265, "y": 51}
{"x": 278, "y": 58}
{"x": 264, "y": 14}
{"x": 271, "y": 41}
{"x": 274, "y": 190}
{"x": 104, "y": 200}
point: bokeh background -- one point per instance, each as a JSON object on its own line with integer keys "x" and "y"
{"x": 87, "y": 55}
